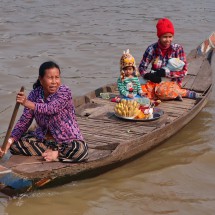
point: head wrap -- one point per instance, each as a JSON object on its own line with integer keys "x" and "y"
{"x": 164, "y": 26}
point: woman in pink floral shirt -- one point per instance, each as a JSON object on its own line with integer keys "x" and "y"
{"x": 57, "y": 136}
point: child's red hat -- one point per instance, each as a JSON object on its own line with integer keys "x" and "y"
{"x": 164, "y": 26}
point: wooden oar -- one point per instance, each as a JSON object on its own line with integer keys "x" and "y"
{"x": 10, "y": 127}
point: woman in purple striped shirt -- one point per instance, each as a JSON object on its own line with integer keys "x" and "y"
{"x": 57, "y": 135}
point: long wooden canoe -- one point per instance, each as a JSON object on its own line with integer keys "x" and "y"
{"x": 113, "y": 141}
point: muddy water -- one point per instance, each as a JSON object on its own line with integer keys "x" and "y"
{"x": 87, "y": 38}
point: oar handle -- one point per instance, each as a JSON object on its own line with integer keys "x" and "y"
{"x": 12, "y": 120}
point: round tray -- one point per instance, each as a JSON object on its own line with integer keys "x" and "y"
{"x": 156, "y": 115}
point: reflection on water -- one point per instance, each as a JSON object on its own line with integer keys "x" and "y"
{"x": 87, "y": 38}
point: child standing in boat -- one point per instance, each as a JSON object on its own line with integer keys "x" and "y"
{"x": 159, "y": 55}
{"x": 128, "y": 83}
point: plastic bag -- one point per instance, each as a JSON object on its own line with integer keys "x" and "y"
{"x": 175, "y": 64}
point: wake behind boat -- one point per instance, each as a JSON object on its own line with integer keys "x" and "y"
{"x": 113, "y": 141}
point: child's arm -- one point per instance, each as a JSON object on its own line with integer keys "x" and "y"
{"x": 139, "y": 88}
{"x": 121, "y": 87}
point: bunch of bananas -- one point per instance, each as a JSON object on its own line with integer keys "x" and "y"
{"x": 127, "y": 108}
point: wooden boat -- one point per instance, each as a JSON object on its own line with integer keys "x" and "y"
{"x": 113, "y": 141}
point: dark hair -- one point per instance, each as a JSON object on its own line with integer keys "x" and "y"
{"x": 43, "y": 67}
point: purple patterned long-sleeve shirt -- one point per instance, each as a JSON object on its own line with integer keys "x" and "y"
{"x": 56, "y": 114}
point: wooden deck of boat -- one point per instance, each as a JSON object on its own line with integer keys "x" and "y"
{"x": 103, "y": 130}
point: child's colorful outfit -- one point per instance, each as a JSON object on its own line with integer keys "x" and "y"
{"x": 127, "y": 85}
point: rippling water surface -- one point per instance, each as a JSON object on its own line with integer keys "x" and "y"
{"x": 87, "y": 38}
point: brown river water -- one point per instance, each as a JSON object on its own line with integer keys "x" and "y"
{"x": 87, "y": 38}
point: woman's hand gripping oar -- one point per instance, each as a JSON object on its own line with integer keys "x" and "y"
{"x": 6, "y": 145}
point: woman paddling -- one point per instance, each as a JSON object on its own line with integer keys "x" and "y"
{"x": 57, "y": 136}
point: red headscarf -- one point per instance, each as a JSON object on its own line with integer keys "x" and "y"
{"x": 164, "y": 26}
